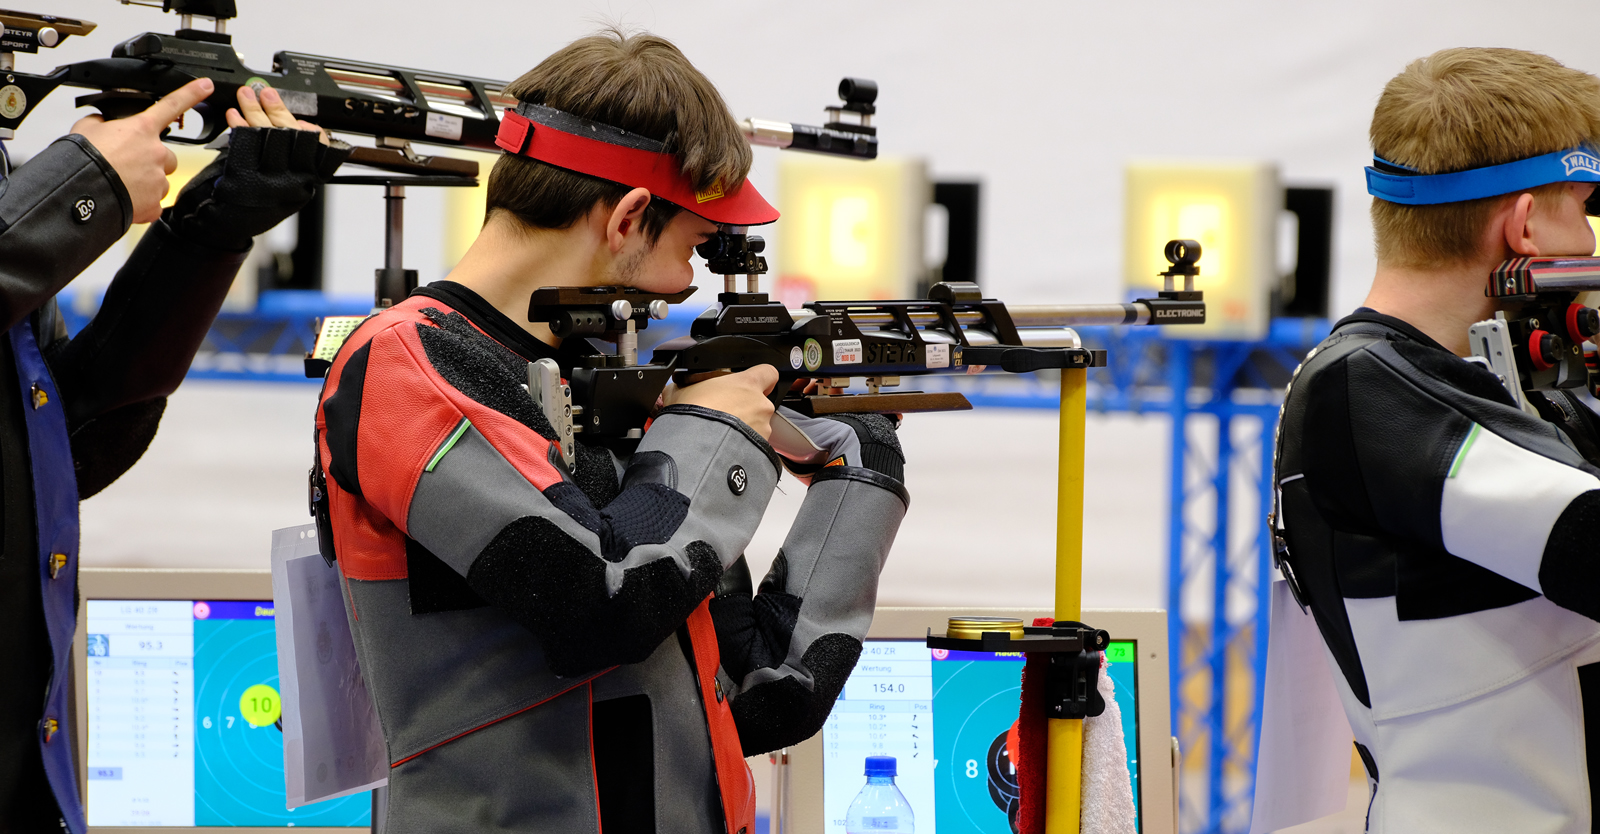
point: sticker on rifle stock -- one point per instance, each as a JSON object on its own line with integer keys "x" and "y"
{"x": 846, "y": 351}
{"x": 797, "y": 357}
{"x": 12, "y": 101}
{"x": 938, "y": 356}
{"x": 299, "y": 102}
{"x": 444, "y": 126}
{"x": 813, "y": 354}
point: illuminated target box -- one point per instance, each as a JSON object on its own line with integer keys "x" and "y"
{"x": 851, "y": 229}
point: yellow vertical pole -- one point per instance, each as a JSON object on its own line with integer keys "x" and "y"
{"x": 1065, "y": 736}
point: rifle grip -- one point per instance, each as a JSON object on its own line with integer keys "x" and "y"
{"x": 117, "y": 104}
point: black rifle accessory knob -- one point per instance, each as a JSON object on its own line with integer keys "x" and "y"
{"x": 858, "y": 90}
{"x": 955, "y": 292}
{"x": 1543, "y": 348}
{"x": 622, "y": 309}
{"x": 1582, "y": 322}
{"x": 755, "y": 243}
{"x": 658, "y": 309}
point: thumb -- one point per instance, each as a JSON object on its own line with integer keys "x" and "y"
{"x": 764, "y": 377}
{"x": 175, "y": 104}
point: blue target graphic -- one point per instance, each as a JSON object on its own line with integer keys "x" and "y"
{"x": 975, "y": 698}
{"x": 239, "y": 776}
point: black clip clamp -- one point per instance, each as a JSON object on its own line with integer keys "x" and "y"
{"x": 1072, "y": 686}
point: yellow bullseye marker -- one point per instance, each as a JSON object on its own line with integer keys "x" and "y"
{"x": 260, "y": 705}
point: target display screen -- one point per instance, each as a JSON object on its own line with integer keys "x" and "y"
{"x": 185, "y": 719}
{"x": 945, "y": 716}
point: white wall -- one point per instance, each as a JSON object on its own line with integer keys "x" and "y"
{"x": 1043, "y": 100}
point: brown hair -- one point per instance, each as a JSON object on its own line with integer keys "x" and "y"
{"x": 640, "y": 83}
{"x": 1468, "y": 108}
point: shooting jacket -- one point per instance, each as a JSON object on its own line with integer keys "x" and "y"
{"x": 1445, "y": 541}
{"x": 555, "y": 649}
{"x": 74, "y": 415}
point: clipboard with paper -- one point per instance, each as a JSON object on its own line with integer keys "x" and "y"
{"x": 332, "y": 743}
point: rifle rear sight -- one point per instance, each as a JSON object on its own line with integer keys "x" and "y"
{"x": 730, "y": 253}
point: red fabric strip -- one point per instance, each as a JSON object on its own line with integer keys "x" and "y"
{"x": 733, "y": 774}
{"x": 1032, "y": 740}
{"x": 658, "y": 173}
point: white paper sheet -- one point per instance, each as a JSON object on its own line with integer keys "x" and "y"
{"x": 332, "y": 742}
{"x": 1303, "y": 765}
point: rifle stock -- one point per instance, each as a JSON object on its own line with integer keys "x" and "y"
{"x": 338, "y": 94}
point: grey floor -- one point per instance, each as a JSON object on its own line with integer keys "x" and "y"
{"x": 229, "y": 466}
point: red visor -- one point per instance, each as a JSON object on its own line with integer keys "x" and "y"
{"x": 654, "y": 171}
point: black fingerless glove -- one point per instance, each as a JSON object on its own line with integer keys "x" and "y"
{"x": 263, "y": 176}
{"x": 880, "y": 446}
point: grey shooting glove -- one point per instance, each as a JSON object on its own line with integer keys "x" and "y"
{"x": 807, "y": 444}
{"x": 263, "y": 176}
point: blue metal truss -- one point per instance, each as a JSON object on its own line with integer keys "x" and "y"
{"x": 1222, "y": 439}
{"x": 1222, "y": 399}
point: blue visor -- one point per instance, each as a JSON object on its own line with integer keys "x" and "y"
{"x": 1412, "y": 189}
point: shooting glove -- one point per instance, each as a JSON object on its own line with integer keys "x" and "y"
{"x": 263, "y": 176}
{"x": 866, "y": 440}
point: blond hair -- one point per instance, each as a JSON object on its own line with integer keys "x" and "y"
{"x": 1467, "y": 108}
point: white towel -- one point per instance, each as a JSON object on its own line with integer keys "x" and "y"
{"x": 1107, "y": 787}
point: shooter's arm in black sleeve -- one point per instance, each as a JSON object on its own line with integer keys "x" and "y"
{"x": 788, "y": 649}
{"x": 115, "y": 375}
{"x": 58, "y": 213}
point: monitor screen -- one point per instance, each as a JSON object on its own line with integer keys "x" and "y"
{"x": 945, "y": 717}
{"x": 183, "y": 718}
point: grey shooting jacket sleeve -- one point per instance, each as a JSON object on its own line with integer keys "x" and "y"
{"x": 788, "y": 649}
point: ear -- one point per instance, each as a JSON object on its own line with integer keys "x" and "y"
{"x": 626, "y": 218}
{"x": 1518, "y": 226}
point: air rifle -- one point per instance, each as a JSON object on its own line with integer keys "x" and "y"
{"x": 1540, "y": 340}
{"x": 398, "y": 105}
{"x": 611, "y": 395}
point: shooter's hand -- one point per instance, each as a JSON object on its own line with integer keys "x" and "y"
{"x": 272, "y": 167}
{"x": 743, "y": 395}
{"x": 268, "y": 110}
{"x": 133, "y": 146}
{"x": 807, "y": 444}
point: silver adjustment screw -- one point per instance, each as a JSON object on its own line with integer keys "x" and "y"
{"x": 48, "y": 36}
{"x": 658, "y": 309}
{"x": 621, "y": 310}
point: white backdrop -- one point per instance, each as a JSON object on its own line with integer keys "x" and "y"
{"x": 1044, "y": 101}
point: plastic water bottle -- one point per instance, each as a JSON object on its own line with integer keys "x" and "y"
{"x": 880, "y": 808}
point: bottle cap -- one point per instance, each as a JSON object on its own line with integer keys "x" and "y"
{"x": 880, "y": 766}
